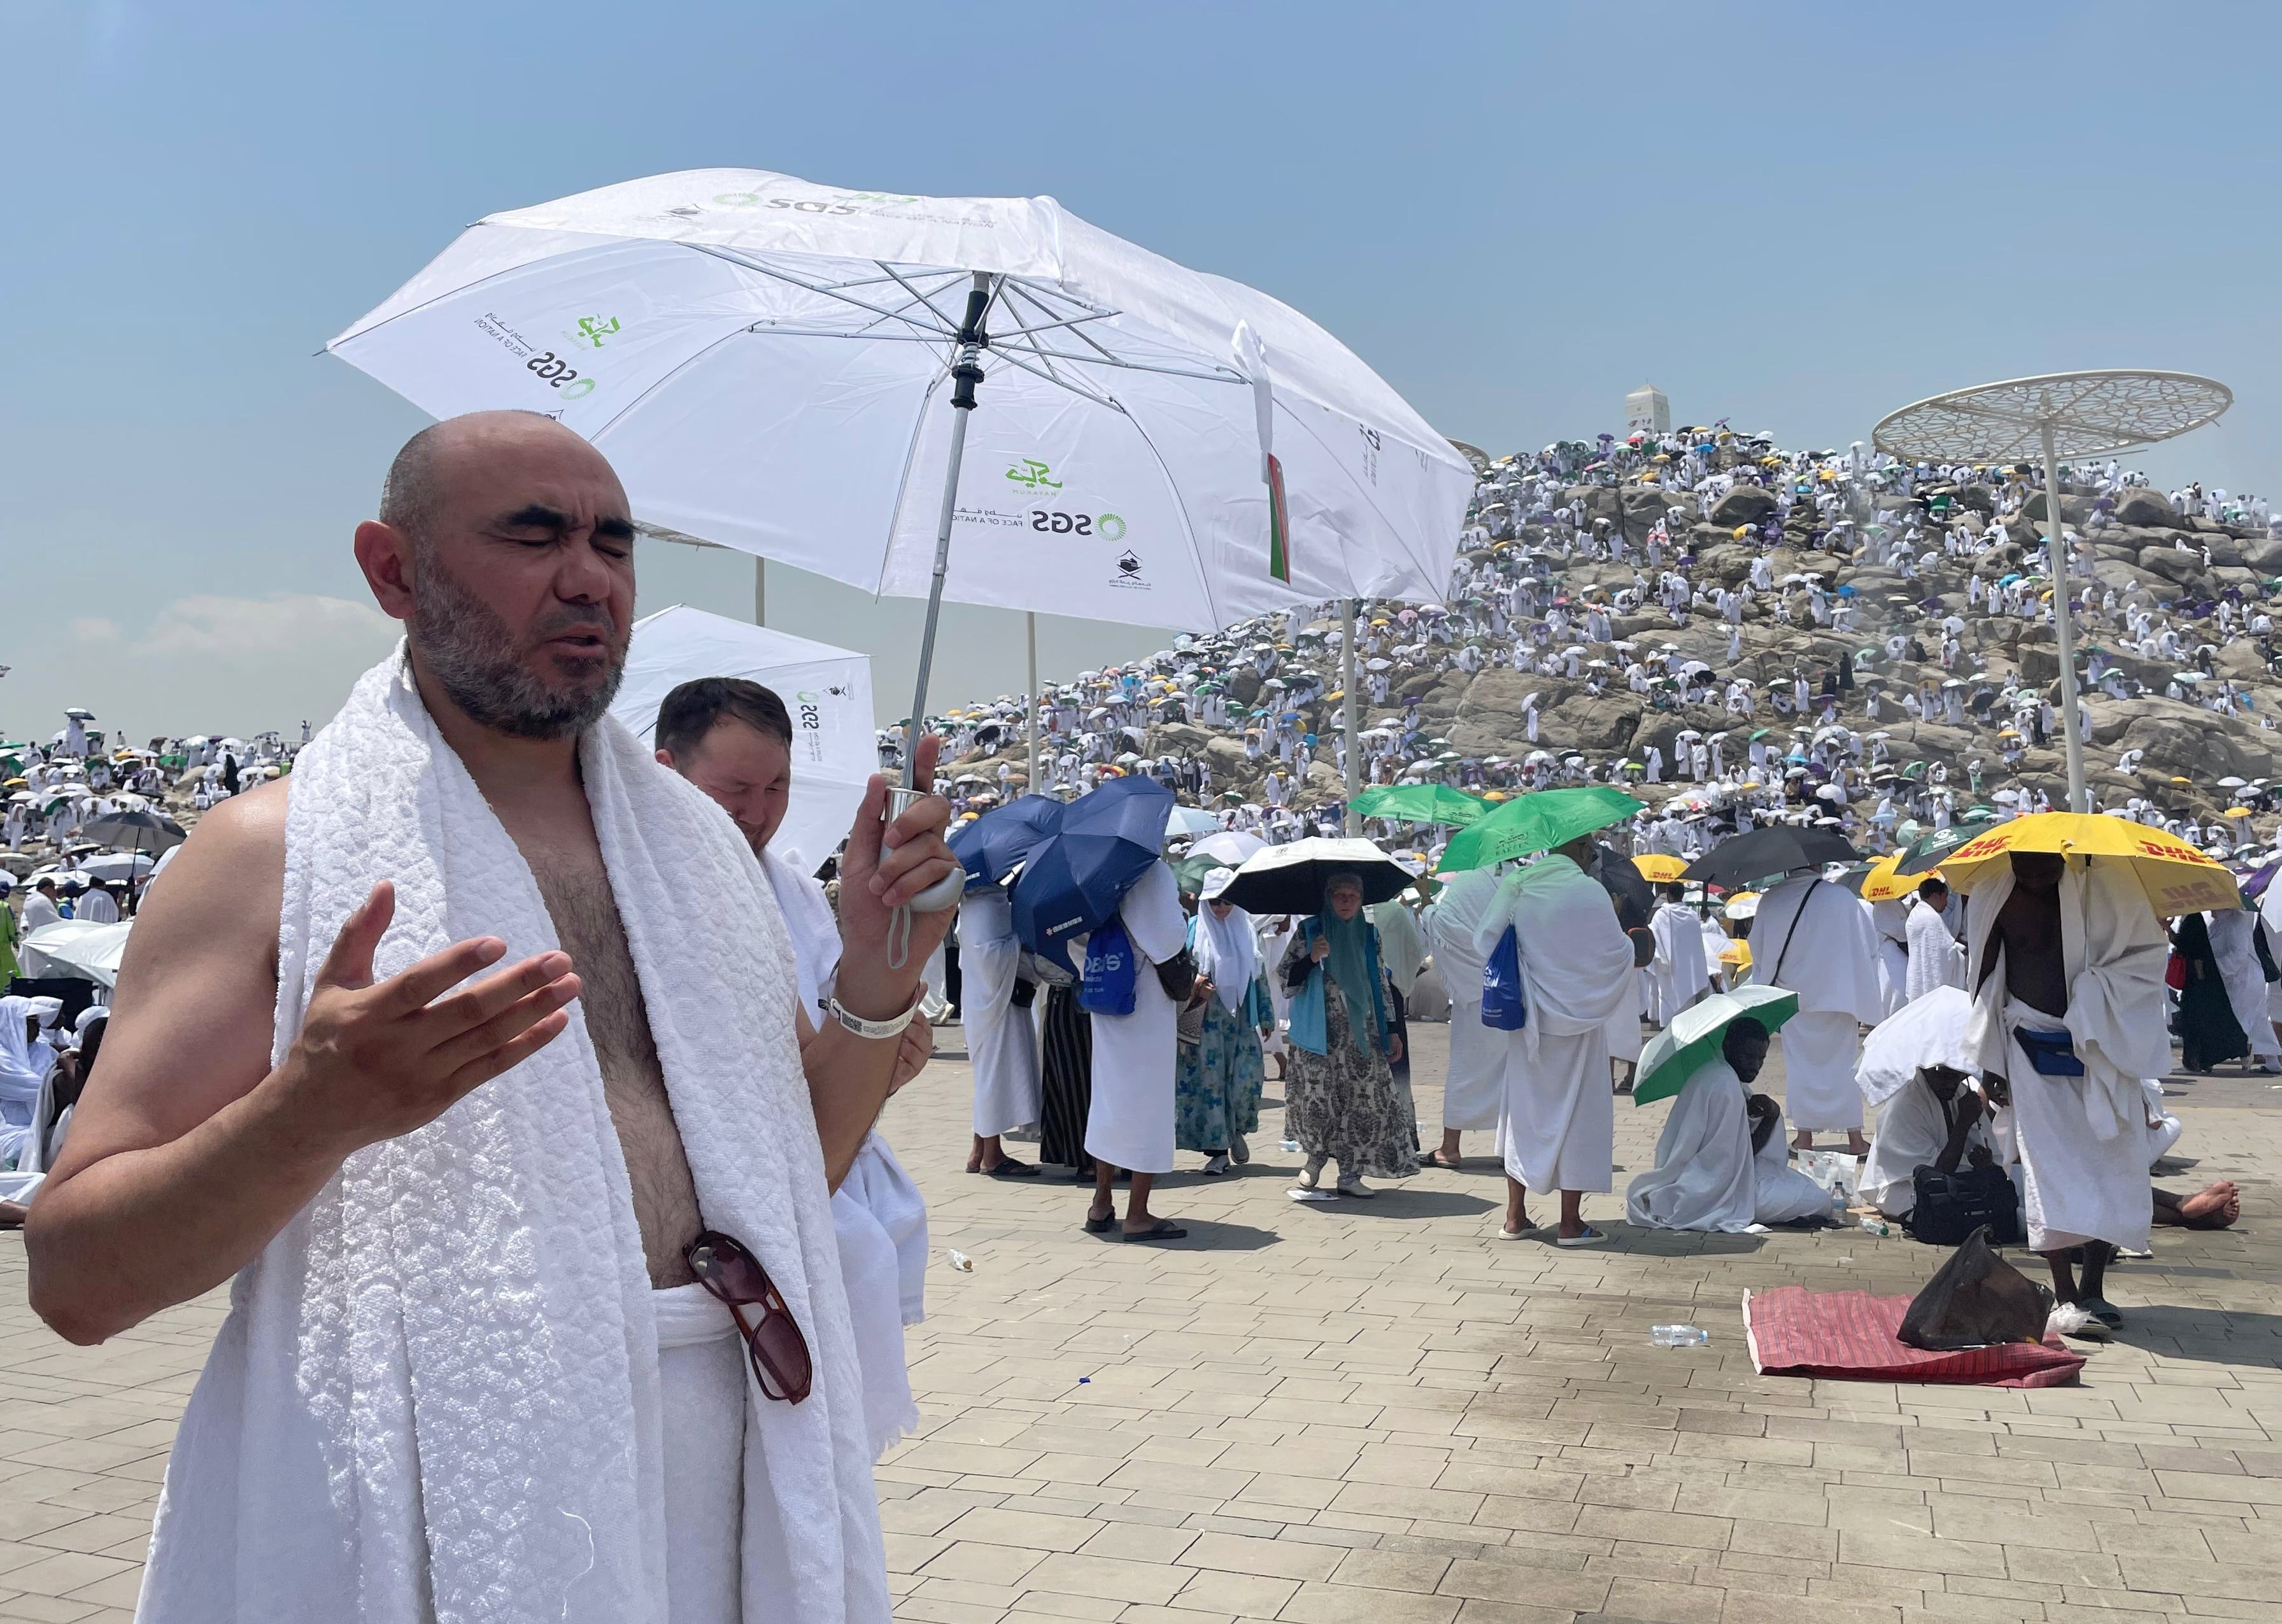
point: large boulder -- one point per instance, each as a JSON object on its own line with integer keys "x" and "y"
{"x": 2074, "y": 509}
{"x": 2145, "y": 507}
{"x": 2264, "y": 556}
{"x": 1744, "y": 504}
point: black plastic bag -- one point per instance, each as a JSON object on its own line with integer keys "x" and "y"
{"x": 1975, "y": 1299}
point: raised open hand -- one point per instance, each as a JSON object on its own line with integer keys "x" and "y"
{"x": 377, "y": 1060}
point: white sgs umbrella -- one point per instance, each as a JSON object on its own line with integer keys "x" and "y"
{"x": 792, "y": 370}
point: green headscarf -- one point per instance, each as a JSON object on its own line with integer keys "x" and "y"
{"x": 1348, "y": 967}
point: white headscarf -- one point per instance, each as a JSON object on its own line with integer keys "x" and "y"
{"x": 1226, "y": 950}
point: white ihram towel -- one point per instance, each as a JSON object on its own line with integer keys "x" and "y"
{"x": 436, "y": 1395}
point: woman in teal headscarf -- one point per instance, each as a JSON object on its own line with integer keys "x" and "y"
{"x": 1340, "y": 1101}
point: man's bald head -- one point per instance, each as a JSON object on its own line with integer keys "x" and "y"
{"x": 505, "y": 542}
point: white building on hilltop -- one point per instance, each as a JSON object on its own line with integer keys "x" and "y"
{"x": 1647, "y": 410}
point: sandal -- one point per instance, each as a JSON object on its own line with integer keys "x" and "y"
{"x": 1009, "y": 1168}
{"x": 2103, "y": 1310}
{"x": 1101, "y": 1226}
{"x": 1590, "y": 1237}
{"x": 1164, "y": 1229}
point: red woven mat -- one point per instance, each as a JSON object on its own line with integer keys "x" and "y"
{"x": 1849, "y": 1336}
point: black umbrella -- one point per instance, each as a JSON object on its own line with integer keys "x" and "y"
{"x": 141, "y": 832}
{"x": 1290, "y": 880}
{"x": 1749, "y": 858}
{"x": 138, "y": 832}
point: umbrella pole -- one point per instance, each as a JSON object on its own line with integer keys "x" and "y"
{"x": 1351, "y": 820}
{"x": 965, "y": 374}
{"x": 1031, "y": 637}
{"x": 2063, "y": 626}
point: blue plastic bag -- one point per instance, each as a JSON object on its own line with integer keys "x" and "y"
{"x": 1108, "y": 985}
{"x": 1502, "y": 1006}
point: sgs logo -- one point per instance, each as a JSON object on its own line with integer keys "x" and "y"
{"x": 1108, "y": 526}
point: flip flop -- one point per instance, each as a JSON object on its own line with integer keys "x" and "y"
{"x": 1516, "y": 1234}
{"x": 2103, "y": 1310}
{"x": 1101, "y": 1226}
{"x": 1591, "y": 1237}
{"x": 1448, "y": 1167}
{"x": 1009, "y": 1168}
{"x": 1303, "y": 1194}
{"x": 1164, "y": 1229}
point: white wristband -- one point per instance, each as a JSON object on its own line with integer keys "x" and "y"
{"x": 892, "y": 1028}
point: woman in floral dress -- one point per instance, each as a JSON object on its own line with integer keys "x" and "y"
{"x": 1216, "y": 1086}
{"x": 1340, "y": 1101}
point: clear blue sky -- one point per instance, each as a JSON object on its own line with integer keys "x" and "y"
{"x": 1795, "y": 216}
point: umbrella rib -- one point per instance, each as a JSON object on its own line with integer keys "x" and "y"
{"x": 824, "y": 289}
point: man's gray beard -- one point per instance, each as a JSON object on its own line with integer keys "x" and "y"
{"x": 468, "y": 650}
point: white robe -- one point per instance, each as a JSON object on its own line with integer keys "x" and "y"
{"x": 1130, "y": 1122}
{"x": 1911, "y": 1132}
{"x": 1891, "y": 923}
{"x": 1475, "y": 1084}
{"x": 2231, "y": 933}
{"x": 1830, "y": 960}
{"x": 1937, "y": 957}
{"x": 1556, "y": 1124}
{"x": 1783, "y": 1193}
{"x": 1679, "y": 973}
{"x": 1000, "y": 1039}
{"x": 2081, "y": 1141}
{"x": 879, "y": 1217}
{"x": 1703, "y": 1177}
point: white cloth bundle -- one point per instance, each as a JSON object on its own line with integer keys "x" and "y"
{"x": 437, "y": 1396}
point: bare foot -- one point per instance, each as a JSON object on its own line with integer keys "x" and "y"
{"x": 1856, "y": 1145}
{"x": 1803, "y": 1140}
{"x": 2215, "y": 1208}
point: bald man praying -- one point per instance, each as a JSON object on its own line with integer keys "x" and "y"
{"x": 520, "y": 1175}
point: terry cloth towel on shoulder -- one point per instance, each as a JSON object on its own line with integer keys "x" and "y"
{"x": 436, "y": 1393}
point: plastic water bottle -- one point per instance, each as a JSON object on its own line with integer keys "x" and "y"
{"x": 1837, "y": 1205}
{"x": 1876, "y": 1226}
{"x": 1678, "y": 1335}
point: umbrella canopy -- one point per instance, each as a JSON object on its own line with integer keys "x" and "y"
{"x": 1660, "y": 867}
{"x": 1290, "y": 880}
{"x": 994, "y": 844}
{"x": 1074, "y": 876}
{"x": 1876, "y": 882}
{"x": 2176, "y": 878}
{"x": 1764, "y": 852}
{"x": 1926, "y": 853}
{"x": 1743, "y": 905}
{"x": 1230, "y": 848}
{"x": 1421, "y": 803}
{"x": 78, "y": 948}
{"x": 144, "y": 832}
{"x": 1537, "y": 823}
{"x": 114, "y": 868}
{"x": 768, "y": 363}
{"x": 1191, "y": 820}
{"x": 1696, "y": 1032}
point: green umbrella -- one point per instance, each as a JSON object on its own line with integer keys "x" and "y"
{"x": 1191, "y": 871}
{"x": 1696, "y": 1032}
{"x": 1926, "y": 853}
{"x": 1421, "y": 803}
{"x": 1536, "y": 823}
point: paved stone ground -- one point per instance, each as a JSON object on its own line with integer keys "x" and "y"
{"x": 1379, "y": 1413}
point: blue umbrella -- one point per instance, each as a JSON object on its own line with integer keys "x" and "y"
{"x": 1075, "y": 875}
{"x": 992, "y": 844}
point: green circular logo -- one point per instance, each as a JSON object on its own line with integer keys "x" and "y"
{"x": 809, "y": 696}
{"x": 1109, "y": 526}
{"x": 738, "y": 200}
{"x": 578, "y": 389}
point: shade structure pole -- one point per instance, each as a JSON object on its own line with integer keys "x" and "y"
{"x": 1352, "y": 823}
{"x": 2063, "y": 625}
{"x": 760, "y": 591}
{"x": 1030, "y": 639}
{"x": 964, "y": 374}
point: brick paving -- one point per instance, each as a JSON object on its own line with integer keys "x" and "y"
{"x": 1380, "y": 1412}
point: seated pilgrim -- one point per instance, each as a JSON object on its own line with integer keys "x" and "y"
{"x": 1712, "y": 1170}
{"x": 2214, "y": 1207}
{"x": 1936, "y": 1120}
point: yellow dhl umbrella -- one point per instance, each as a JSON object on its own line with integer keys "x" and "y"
{"x": 1496, "y": 795}
{"x": 2176, "y": 878}
{"x": 1736, "y": 953}
{"x": 1658, "y": 868}
{"x": 2236, "y": 812}
{"x": 1883, "y": 885}
{"x": 2177, "y": 780}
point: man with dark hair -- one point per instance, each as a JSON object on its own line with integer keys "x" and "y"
{"x": 532, "y": 1301}
{"x": 732, "y": 737}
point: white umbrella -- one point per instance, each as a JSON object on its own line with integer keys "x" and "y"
{"x": 1231, "y": 847}
{"x": 1191, "y": 820}
{"x": 774, "y": 366}
{"x": 79, "y": 948}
